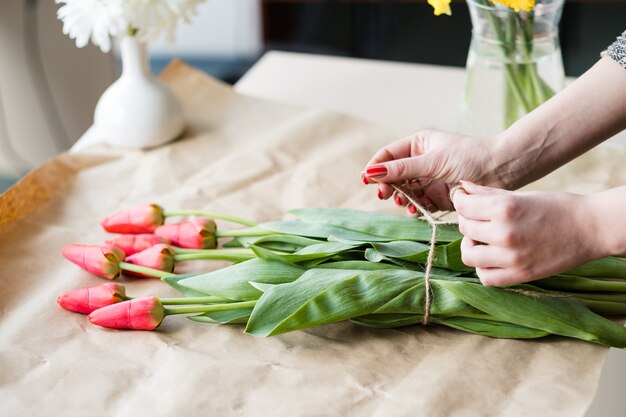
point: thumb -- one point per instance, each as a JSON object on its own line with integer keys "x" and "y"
{"x": 474, "y": 189}
{"x": 399, "y": 170}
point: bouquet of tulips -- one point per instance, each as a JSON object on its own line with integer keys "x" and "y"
{"x": 330, "y": 265}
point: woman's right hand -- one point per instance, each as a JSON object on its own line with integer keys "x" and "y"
{"x": 431, "y": 162}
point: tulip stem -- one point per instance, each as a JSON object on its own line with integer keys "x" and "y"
{"x": 250, "y": 231}
{"x": 212, "y": 214}
{"x": 235, "y": 255}
{"x": 192, "y": 300}
{"x": 210, "y": 308}
{"x": 183, "y": 251}
{"x": 144, "y": 270}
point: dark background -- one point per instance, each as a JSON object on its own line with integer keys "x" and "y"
{"x": 407, "y": 31}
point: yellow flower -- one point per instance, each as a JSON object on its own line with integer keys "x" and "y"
{"x": 526, "y": 5}
{"x": 441, "y": 6}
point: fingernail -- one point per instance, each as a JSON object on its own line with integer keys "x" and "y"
{"x": 379, "y": 194}
{"x": 412, "y": 209}
{"x": 398, "y": 200}
{"x": 376, "y": 171}
{"x": 364, "y": 179}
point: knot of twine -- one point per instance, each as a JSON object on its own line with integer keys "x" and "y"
{"x": 430, "y": 259}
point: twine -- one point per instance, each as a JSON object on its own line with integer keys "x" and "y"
{"x": 430, "y": 259}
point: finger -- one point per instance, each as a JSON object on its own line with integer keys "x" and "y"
{"x": 386, "y": 190}
{"x": 400, "y": 199}
{"x": 498, "y": 277}
{"x": 400, "y": 170}
{"x": 427, "y": 204}
{"x": 475, "y": 189}
{"x": 438, "y": 193}
{"x": 476, "y": 207}
{"x": 484, "y": 256}
{"x": 482, "y": 231}
{"x": 401, "y": 148}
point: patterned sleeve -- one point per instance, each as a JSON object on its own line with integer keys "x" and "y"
{"x": 617, "y": 51}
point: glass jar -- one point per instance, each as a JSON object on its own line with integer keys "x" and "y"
{"x": 513, "y": 66}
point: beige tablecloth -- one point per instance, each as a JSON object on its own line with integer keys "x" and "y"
{"x": 254, "y": 159}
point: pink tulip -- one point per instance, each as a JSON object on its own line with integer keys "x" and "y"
{"x": 159, "y": 257}
{"x": 138, "y": 314}
{"x": 86, "y": 300}
{"x": 140, "y": 219}
{"x": 131, "y": 244}
{"x": 100, "y": 260}
{"x": 196, "y": 233}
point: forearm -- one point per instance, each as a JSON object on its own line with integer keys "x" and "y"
{"x": 589, "y": 111}
{"x": 606, "y": 211}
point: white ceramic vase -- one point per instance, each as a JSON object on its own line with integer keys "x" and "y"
{"x": 138, "y": 110}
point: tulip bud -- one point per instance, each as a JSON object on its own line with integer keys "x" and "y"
{"x": 138, "y": 314}
{"x": 140, "y": 219}
{"x": 159, "y": 257}
{"x": 100, "y": 260}
{"x": 86, "y": 300}
{"x": 196, "y": 233}
{"x": 131, "y": 244}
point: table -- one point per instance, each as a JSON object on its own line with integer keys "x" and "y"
{"x": 285, "y": 156}
{"x": 393, "y": 93}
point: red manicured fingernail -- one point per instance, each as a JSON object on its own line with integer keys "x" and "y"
{"x": 364, "y": 179}
{"x": 398, "y": 200}
{"x": 376, "y": 171}
{"x": 412, "y": 209}
{"x": 379, "y": 194}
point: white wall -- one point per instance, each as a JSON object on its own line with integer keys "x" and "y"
{"x": 75, "y": 79}
{"x": 225, "y": 28}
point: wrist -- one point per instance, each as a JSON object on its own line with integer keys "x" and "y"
{"x": 604, "y": 234}
{"x": 503, "y": 173}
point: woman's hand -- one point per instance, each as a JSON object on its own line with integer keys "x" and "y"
{"x": 430, "y": 163}
{"x": 513, "y": 237}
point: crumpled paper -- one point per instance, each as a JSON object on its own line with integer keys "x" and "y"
{"x": 255, "y": 159}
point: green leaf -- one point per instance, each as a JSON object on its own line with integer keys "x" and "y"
{"x": 560, "y": 316}
{"x": 234, "y": 243}
{"x": 388, "y": 321}
{"x": 319, "y": 230}
{"x": 491, "y": 328}
{"x": 357, "y": 265}
{"x": 224, "y": 317}
{"x": 377, "y": 224}
{"x": 323, "y": 296}
{"x": 446, "y": 256}
{"x": 573, "y": 283}
{"x": 283, "y": 243}
{"x": 609, "y": 267}
{"x": 373, "y": 255}
{"x": 317, "y": 253}
{"x": 172, "y": 281}
{"x": 233, "y": 282}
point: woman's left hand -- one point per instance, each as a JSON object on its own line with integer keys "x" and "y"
{"x": 514, "y": 237}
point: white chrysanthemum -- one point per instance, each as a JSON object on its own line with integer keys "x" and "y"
{"x": 98, "y": 20}
{"x": 156, "y": 18}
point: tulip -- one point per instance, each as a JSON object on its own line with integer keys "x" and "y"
{"x": 100, "y": 260}
{"x": 147, "y": 313}
{"x": 132, "y": 244}
{"x": 140, "y": 219}
{"x": 159, "y": 257}
{"x": 196, "y": 233}
{"x": 138, "y": 314}
{"x": 86, "y": 300}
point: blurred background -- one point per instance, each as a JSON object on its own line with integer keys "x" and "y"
{"x": 49, "y": 88}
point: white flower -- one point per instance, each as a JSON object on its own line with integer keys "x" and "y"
{"x": 95, "y": 19}
{"x": 99, "y": 20}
